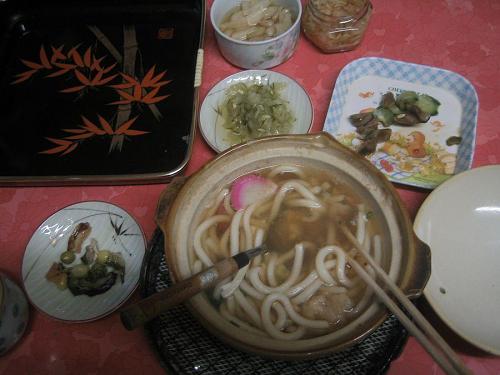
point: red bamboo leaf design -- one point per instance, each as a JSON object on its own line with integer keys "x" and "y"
{"x": 76, "y": 57}
{"x": 74, "y": 131}
{"x": 73, "y": 89}
{"x": 147, "y": 78}
{"x": 71, "y": 148}
{"x": 44, "y": 59}
{"x": 72, "y": 50}
{"x": 107, "y": 79}
{"x": 134, "y": 132}
{"x": 57, "y": 54}
{"x": 125, "y": 95}
{"x": 91, "y": 127}
{"x": 157, "y": 78}
{"x": 95, "y": 81}
{"x": 109, "y": 68}
{"x": 96, "y": 65}
{"x": 64, "y": 66}
{"x": 31, "y": 64}
{"x": 87, "y": 58}
{"x": 80, "y": 136}
{"x": 162, "y": 83}
{"x": 58, "y": 73}
{"x": 28, "y": 72}
{"x": 123, "y": 85}
{"x": 105, "y": 125}
{"x": 128, "y": 78}
{"x": 54, "y": 150}
{"x": 151, "y": 94}
{"x": 137, "y": 92}
{"x": 82, "y": 78}
{"x": 155, "y": 100}
{"x": 124, "y": 127}
{"x": 58, "y": 51}
{"x": 23, "y": 77}
{"x": 118, "y": 102}
{"x": 19, "y": 80}
{"x": 60, "y": 142}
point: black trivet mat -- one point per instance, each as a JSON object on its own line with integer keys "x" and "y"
{"x": 185, "y": 347}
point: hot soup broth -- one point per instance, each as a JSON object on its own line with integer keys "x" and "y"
{"x": 303, "y": 287}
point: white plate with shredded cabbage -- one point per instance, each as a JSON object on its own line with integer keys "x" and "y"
{"x": 252, "y": 104}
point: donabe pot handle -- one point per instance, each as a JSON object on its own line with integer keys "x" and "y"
{"x": 421, "y": 269}
{"x": 166, "y": 198}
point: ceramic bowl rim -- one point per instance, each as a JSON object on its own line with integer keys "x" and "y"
{"x": 258, "y": 42}
{"x": 410, "y": 271}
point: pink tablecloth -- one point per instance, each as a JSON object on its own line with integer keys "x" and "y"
{"x": 459, "y": 35}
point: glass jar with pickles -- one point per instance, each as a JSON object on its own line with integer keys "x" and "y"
{"x": 336, "y": 25}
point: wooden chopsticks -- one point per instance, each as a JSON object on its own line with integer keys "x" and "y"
{"x": 428, "y": 337}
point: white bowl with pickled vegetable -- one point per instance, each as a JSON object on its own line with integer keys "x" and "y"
{"x": 256, "y": 34}
{"x": 254, "y": 104}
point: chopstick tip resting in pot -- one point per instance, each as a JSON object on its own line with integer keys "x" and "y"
{"x": 428, "y": 337}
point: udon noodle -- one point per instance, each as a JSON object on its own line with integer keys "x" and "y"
{"x": 304, "y": 287}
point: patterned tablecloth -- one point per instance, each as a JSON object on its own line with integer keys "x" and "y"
{"x": 458, "y": 35}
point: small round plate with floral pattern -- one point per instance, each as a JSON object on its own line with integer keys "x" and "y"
{"x": 83, "y": 262}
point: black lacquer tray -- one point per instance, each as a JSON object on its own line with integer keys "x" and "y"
{"x": 98, "y": 91}
{"x": 184, "y": 347}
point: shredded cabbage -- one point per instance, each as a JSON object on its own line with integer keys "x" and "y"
{"x": 254, "y": 110}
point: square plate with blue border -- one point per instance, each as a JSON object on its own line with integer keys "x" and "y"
{"x": 447, "y": 139}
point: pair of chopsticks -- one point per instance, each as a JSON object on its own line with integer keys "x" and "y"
{"x": 423, "y": 331}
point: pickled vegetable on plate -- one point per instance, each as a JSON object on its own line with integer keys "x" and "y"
{"x": 255, "y": 110}
{"x": 78, "y": 237}
{"x": 96, "y": 272}
{"x": 67, "y": 257}
{"x": 91, "y": 288}
{"x": 255, "y": 20}
{"x": 57, "y": 275}
{"x": 407, "y": 109}
{"x": 79, "y": 271}
{"x": 90, "y": 252}
{"x": 384, "y": 115}
{"x": 114, "y": 260}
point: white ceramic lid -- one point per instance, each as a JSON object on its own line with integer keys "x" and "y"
{"x": 460, "y": 221}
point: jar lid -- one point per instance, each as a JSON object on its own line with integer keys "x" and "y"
{"x": 341, "y": 9}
